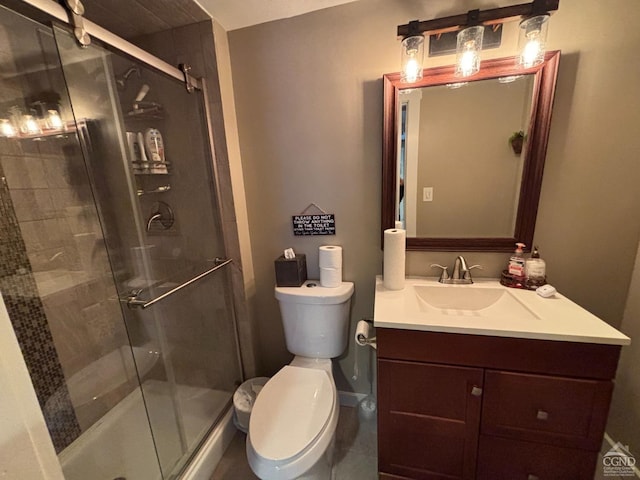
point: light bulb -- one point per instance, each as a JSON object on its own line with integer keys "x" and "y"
{"x": 468, "y": 62}
{"x": 6, "y": 129}
{"x": 530, "y": 53}
{"x": 29, "y": 125}
{"x": 411, "y": 70}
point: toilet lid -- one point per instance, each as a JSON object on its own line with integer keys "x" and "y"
{"x": 291, "y": 410}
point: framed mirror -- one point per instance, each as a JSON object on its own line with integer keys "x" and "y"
{"x": 463, "y": 161}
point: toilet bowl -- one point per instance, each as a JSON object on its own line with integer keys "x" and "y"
{"x": 293, "y": 422}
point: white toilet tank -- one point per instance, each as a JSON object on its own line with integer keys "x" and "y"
{"x": 315, "y": 318}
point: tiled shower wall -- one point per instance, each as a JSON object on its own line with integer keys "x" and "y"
{"x": 62, "y": 245}
{"x": 20, "y": 294}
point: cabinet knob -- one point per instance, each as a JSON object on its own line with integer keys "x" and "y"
{"x": 541, "y": 415}
{"x": 532, "y": 477}
{"x": 476, "y": 391}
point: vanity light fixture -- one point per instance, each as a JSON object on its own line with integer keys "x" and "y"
{"x": 469, "y": 46}
{"x": 53, "y": 120}
{"x": 534, "y": 21}
{"x": 532, "y": 40}
{"x": 29, "y": 125}
{"x": 412, "y": 54}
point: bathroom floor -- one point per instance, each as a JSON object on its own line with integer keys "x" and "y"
{"x": 355, "y": 455}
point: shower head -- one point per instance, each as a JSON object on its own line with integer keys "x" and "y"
{"x": 121, "y": 80}
{"x": 141, "y": 94}
{"x": 140, "y": 107}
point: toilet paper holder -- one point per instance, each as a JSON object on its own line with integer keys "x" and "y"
{"x": 363, "y": 331}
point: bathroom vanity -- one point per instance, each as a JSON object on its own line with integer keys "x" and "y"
{"x": 481, "y": 381}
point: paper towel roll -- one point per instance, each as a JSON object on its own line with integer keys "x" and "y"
{"x": 330, "y": 277}
{"x": 330, "y": 256}
{"x": 394, "y": 259}
{"x": 362, "y": 333}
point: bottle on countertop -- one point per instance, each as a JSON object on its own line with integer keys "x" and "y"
{"x": 535, "y": 270}
{"x": 517, "y": 262}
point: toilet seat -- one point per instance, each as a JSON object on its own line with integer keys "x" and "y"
{"x": 297, "y": 401}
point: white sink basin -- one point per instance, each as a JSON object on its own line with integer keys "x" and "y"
{"x": 488, "y": 308}
{"x": 469, "y": 301}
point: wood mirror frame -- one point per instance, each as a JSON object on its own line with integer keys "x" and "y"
{"x": 535, "y": 151}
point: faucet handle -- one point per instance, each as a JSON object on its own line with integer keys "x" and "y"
{"x": 445, "y": 273}
{"x": 467, "y": 273}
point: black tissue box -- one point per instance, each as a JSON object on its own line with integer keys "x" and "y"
{"x": 291, "y": 272}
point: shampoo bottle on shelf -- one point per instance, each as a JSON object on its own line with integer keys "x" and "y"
{"x": 535, "y": 270}
{"x": 155, "y": 147}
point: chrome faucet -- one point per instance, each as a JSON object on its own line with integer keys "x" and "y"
{"x": 461, "y": 272}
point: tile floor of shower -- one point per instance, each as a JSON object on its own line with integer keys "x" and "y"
{"x": 356, "y": 452}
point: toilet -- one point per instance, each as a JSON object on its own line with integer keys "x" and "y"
{"x": 293, "y": 421}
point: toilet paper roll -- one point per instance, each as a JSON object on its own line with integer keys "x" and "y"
{"x": 394, "y": 259}
{"x": 399, "y": 224}
{"x": 330, "y": 256}
{"x": 330, "y": 277}
{"x": 362, "y": 333}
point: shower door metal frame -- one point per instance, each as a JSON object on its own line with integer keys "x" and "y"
{"x": 57, "y": 11}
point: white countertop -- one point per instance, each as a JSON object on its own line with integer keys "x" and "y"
{"x": 556, "y": 318}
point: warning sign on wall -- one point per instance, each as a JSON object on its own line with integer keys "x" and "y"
{"x": 322, "y": 224}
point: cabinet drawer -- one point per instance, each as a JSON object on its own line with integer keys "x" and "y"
{"x": 439, "y": 391}
{"x": 502, "y": 459}
{"x": 555, "y": 410}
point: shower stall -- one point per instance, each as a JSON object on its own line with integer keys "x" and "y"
{"x": 112, "y": 261}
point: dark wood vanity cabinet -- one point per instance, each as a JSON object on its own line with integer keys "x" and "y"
{"x": 454, "y": 406}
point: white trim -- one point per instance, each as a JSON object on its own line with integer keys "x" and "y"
{"x": 96, "y": 31}
{"x": 26, "y": 449}
{"x": 413, "y": 100}
{"x": 206, "y": 460}
{"x": 612, "y": 443}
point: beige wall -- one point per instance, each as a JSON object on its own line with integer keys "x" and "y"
{"x": 624, "y": 417}
{"x": 308, "y": 94}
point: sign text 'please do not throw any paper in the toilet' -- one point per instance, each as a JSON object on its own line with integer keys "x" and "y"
{"x": 321, "y": 224}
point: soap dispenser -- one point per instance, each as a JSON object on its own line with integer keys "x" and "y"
{"x": 535, "y": 270}
{"x": 517, "y": 262}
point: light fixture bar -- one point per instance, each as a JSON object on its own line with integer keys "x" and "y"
{"x": 485, "y": 17}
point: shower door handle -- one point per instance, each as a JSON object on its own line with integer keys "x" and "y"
{"x": 133, "y": 301}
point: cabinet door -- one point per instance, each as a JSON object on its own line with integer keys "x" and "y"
{"x": 555, "y": 410}
{"x": 429, "y": 418}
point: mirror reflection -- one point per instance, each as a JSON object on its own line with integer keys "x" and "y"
{"x": 461, "y": 157}
{"x": 463, "y": 162}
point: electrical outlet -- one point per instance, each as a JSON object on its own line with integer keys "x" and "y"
{"x": 427, "y": 194}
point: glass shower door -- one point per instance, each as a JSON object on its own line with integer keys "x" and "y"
{"x": 147, "y": 153}
{"x": 55, "y": 277}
